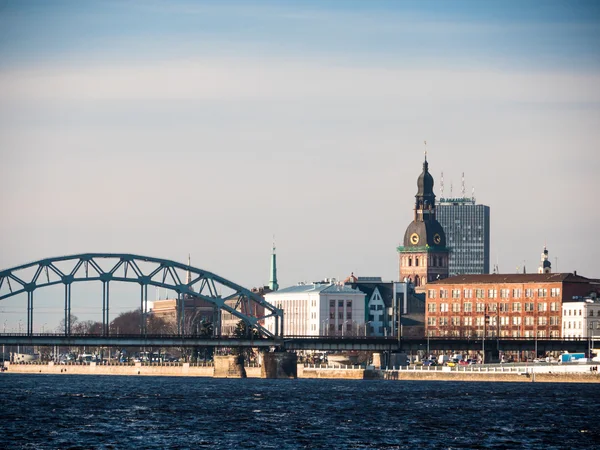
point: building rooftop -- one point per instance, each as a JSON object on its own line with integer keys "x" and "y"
{"x": 329, "y": 288}
{"x": 514, "y": 278}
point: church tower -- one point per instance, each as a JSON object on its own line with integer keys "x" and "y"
{"x": 424, "y": 255}
{"x": 545, "y": 265}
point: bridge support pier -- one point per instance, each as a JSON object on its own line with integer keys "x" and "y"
{"x": 279, "y": 365}
{"x": 230, "y": 366}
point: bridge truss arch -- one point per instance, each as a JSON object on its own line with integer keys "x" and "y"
{"x": 187, "y": 281}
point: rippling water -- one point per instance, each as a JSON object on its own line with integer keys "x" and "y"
{"x": 57, "y": 411}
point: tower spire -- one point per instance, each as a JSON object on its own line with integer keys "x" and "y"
{"x": 273, "y": 278}
{"x": 189, "y": 274}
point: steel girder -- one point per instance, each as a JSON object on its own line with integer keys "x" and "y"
{"x": 162, "y": 273}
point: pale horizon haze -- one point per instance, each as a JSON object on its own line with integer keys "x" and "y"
{"x": 206, "y": 127}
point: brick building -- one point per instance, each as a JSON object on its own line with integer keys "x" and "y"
{"x": 505, "y": 305}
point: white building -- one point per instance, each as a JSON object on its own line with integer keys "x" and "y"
{"x": 319, "y": 309}
{"x": 581, "y": 319}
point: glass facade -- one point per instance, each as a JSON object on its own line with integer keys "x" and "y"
{"x": 467, "y": 228}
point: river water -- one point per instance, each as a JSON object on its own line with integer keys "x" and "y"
{"x": 82, "y": 412}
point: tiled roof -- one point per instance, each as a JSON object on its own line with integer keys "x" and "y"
{"x": 514, "y": 278}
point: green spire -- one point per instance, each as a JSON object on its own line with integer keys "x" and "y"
{"x": 273, "y": 280}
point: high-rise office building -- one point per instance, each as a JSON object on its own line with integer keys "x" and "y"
{"x": 467, "y": 228}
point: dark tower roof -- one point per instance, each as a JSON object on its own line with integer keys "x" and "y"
{"x": 425, "y": 181}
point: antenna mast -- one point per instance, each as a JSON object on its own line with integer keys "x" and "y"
{"x": 442, "y": 184}
{"x": 462, "y": 189}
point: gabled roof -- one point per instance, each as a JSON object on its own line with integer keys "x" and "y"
{"x": 513, "y": 278}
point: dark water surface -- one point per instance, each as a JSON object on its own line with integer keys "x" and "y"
{"x": 58, "y": 411}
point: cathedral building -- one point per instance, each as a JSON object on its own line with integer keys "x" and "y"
{"x": 423, "y": 257}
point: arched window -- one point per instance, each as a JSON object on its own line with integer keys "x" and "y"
{"x": 417, "y": 280}
{"x": 409, "y": 261}
{"x": 417, "y": 261}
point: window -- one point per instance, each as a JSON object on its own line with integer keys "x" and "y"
{"x": 479, "y": 321}
{"x": 431, "y": 293}
{"x": 504, "y": 320}
{"x": 341, "y": 315}
{"x": 492, "y": 307}
{"x": 332, "y": 315}
{"x": 529, "y": 306}
{"x": 455, "y": 321}
{"x": 480, "y": 307}
{"x": 504, "y": 293}
{"x": 443, "y": 307}
{"x": 349, "y": 315}
{"x": 554, "y": 306}
{"x": 542, "y": 320}
{"x": 492, "y": 293}
{"x": 555, "y": 292}
{"x": 332, "y": 303}
{"x": 455, "y": 307}
{"x": 341, "y": 304}
{"x": 516, "y": 321}
{"x": 529, "y": 320}
{"x": 516, "y": 293}
{"x": 554, "y": 334}
{"x": 542, "y": 306}
{"x": 591, "y": 313}
{"x": 468, "y": 293}
{"x": 516, "y": 307}
{"x": 443, "y": 293}
{"x": 528, "y": 293}
{"x": 443, "y": 321}
{"x": 554, "y": 320}
{"x": 516, "y": 333}
{"x": 468, "y": 321}
{"x": 348, "y": 303}
{"x": 504, "y": 307}
{"x": 541, "y": 333}
{"x": 431, "y": 321}
{"x": 479, "y": 293}
{"x": 431, "y": 307}
{"x": 455, "y": 293}
{"x": 542, "y": 293}
{"x": 409, "y": 262}
{"x": 468, "y": 307}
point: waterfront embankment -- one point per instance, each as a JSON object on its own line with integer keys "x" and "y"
{"x": 565, "y": 374}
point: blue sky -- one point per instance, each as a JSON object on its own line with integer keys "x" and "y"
{"x": 168, "y": 128}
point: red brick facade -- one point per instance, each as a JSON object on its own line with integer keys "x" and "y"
{"x": 508, "y": 306}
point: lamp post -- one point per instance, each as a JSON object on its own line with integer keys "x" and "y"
{"x": 326, "y": 330}
{"x": 344, "y": 326}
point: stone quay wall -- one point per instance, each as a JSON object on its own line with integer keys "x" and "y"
{"x": 179, "y": 370}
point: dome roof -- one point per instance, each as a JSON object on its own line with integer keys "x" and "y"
{"x": 429, "y": 233}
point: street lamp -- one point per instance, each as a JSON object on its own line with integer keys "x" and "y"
{"x": 344, "y": 326}
{"x": 325, "y": 329}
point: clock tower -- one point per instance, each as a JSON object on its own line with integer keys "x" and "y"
{"x": 424, "y": 255}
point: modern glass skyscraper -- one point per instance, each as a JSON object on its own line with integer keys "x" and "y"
{"x": 467, "y": 227}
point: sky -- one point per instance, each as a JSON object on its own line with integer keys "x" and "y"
{"x": 206, "y": 128}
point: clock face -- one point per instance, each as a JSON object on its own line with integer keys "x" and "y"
{"x": 437, "y": 238}
{"x": 414, "y": 238}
